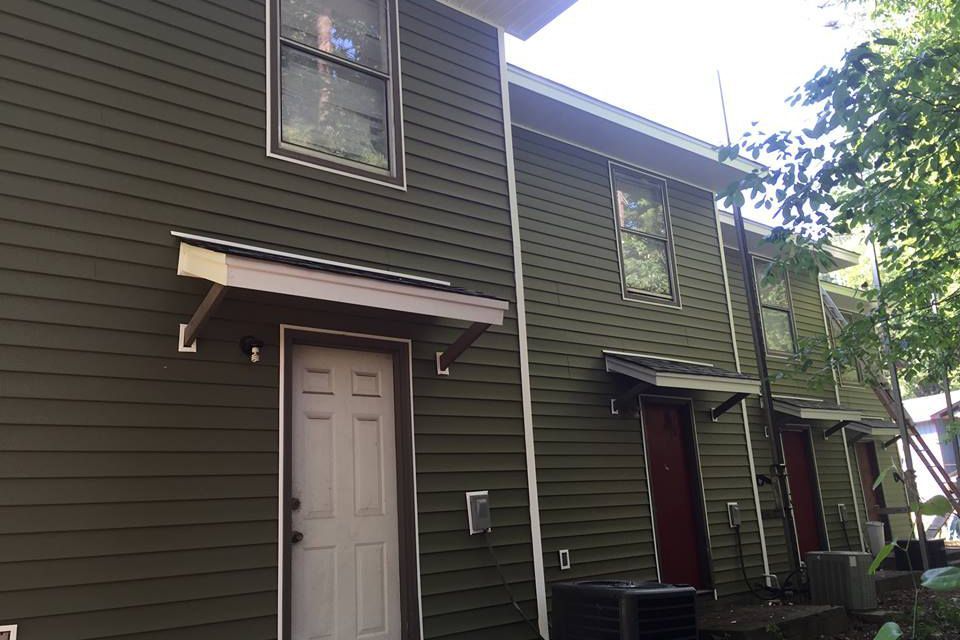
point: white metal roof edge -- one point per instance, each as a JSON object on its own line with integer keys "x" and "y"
{"x": 258, "y": 274}
{"x": 564, "y": 94}
{"x": 764, "y": 230}
{"x": 514, "y": 20}
{"x": 298, "y": 256}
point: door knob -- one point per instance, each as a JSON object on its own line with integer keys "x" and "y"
{"x": 296, "y": 537}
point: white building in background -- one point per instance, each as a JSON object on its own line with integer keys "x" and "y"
{"x": 929, "y": 415}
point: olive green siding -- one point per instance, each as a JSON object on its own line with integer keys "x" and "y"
{"x": 590, "y": 468}
{"x": 862, "y": 397}
{"x": 831, "y": 458}
{"x": 138, "y": 485}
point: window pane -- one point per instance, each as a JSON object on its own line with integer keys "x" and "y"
{"x": 355, "y": 30}
{"x": 850, "y": 375}
{"x": 640, "y": 206}
{"x": 771, "y": 284}
{"x": 645, "y": 266}
{"x": 329, "y": 108}
{"x": 777, "y": 330}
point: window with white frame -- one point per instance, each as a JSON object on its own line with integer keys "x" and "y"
{"x": 643, "y": 227}
{"x": 335, "y": 90}
{"x": 776, "y": 310}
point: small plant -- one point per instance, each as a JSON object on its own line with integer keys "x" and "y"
{"x": 942, "y": 579}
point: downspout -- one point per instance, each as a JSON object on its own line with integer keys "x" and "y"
{"x": 533, "y": 496}
{"x": 778, "y": 467}
{"x": 743, "y": 403}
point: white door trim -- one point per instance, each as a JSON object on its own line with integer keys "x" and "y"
{"x": 282, "y": 507}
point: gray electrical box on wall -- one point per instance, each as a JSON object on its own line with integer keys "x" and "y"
{"x": 478, "y": 512}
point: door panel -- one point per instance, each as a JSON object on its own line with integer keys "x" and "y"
{"x": 345, "y": 576}
{"x": 866, "y": 453}
{"x": 803, "y": 488}
{"x": 675, "y": 491}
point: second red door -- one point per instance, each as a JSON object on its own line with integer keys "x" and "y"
{"x": 803, "y": 488}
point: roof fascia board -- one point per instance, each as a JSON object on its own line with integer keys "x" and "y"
{"x": 273, "y": 277}
{"x": 566, "y": 95}
{"x": 843, "y": 258}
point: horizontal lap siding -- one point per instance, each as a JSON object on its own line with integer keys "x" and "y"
{"x": 590, "y": 469}
{"x": 138, "y": 486}
{"x": 830, "y": 457}
{"x": 862, "y": 397}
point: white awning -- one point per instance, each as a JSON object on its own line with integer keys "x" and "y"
{"x": 230, "y": 265}
{"x": 248, "y": 267}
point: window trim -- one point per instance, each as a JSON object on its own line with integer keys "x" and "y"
{"x": 789, "y": 310}
{"x": 674, "y": 300}
{"x": 396, "y": 176}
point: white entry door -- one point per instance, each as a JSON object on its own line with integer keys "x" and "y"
{"x": 345, "y": 571}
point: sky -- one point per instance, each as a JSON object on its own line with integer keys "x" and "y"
{"x": 659, "y": 58}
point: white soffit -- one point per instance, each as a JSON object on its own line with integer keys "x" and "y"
{"x": 556, "y": 110}
{"x": 520, "y": 18}
{"x": 276, "y": 277}
{"x": 757, "y": 232}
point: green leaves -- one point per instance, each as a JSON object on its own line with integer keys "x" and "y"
{"x": 883, "y": 555}
{"x": 882, "y": 476}
{"x": 944, "y": 579}
{"x": 889, "y": 631}
{"x": 936, "y": 506}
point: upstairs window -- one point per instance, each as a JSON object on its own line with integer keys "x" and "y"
{"x": 776, "y": 311}
{"x": 335, "y": 94}
{"x": 647, "y": 264}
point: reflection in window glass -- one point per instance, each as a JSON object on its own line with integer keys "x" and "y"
{"x": 355, "y": 30}
{"x": 645, "y": 264}
{"x": 777, "y": 314}
{"x": 645, "y": 245}
{"x": 333, "y": 109}
{"x": 335, "y": 88}
{"x": 777, "y": 330}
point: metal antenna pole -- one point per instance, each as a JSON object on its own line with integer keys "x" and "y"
{"x": 910, "y": 473}
{"x": 778, "y": 465}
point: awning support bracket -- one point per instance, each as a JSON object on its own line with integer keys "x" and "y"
{"x": 835, "y": 428}
{"x": 890, "y": 442}
{"x": 190, "y": 331}
{"x": 620, "y": 402}
{"x": 455, "y": 350}
{"x": 727, "y": 404}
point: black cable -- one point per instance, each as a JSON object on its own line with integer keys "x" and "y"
{"x": 506, "y": 586}
{"x": 743, "y": 572}
{"x": 846, "y": 536}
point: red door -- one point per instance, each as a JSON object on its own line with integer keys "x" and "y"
{"x": 675, "y": 490}
{"x": 803, "y": 488}
{"x": 869, "y": 472}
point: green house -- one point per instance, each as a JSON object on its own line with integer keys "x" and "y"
{"x": 320, "y": 321}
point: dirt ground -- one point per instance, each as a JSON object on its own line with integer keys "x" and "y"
{"x": 938, "y": 617}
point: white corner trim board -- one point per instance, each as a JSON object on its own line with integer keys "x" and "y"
{"x": 263, "y": 275}
{"x": 533, "y": 497}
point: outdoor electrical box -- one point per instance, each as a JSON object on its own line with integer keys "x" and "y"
{"x": 478, "y": 512}
{"x": 842, "y": 512}
{"x": 733, "y": 513}
{"x": 564, "y": 559}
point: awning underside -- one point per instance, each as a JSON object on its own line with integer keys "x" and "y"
{"x": 229, "y": 265}
{"x": 650, "y": 372}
